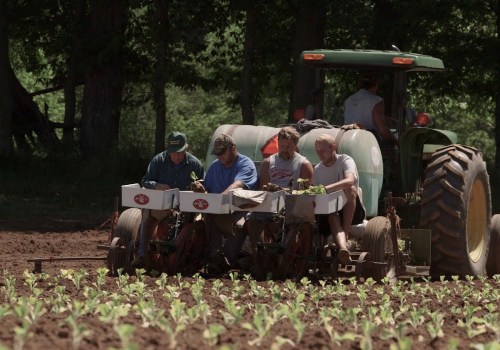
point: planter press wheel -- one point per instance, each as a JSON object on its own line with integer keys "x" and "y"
{"x": 456, "y": 207}
{"x": 126, "y": 233}
{"x": 297, "y": 248}
{"x": 493, "y": 264}
{"x": 377, "y": 242}
{"x": 128, "y": 227}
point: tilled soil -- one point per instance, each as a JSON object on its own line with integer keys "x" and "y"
{"x": 53, "y": 330}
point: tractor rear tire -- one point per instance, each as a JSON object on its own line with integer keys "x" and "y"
{"x": 493, "y": 264}
{"x": 129, "y": 226}
{"x": 377, "y": 242}
{"x": 456, "y": 207}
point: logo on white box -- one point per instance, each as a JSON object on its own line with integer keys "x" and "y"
{"x": 200, "y": 204}
{"x": 141, "y": 199}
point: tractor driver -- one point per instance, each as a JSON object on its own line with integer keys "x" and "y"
{"x": 338, "y": 172}
{"x": 366, "y": 108}
{"x": 169, "y": 169}
{"x": 231, "y": 170}
{"x": 281, "y": 169}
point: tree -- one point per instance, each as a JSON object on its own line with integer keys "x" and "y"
{"x": 310, "y": 22}
{"x": 73, "y": 63}
{"x": 6, "y": 146}
{"x": 104, "y": 78}
{"x": 160, "y": 29}
{"x": 246, "y": 94}
{"x": 496, "y": 54}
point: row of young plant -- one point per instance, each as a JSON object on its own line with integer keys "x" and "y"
{"x": 390, "y": 310}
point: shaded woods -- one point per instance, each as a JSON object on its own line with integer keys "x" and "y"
{"x": 100, "y": 55}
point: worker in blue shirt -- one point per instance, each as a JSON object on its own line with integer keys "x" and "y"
{"x": 231, "y": 170}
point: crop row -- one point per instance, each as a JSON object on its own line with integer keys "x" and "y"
{"x": 346, "y": 310}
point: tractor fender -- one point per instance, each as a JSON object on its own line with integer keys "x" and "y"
{"x": 414, "y": 143}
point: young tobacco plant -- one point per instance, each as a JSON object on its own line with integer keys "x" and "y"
{"x": 101, "y": 277}
{"x": 212, "y": 333}
{"x": 110, "y": 313}
{"x": 162, "y": 281}
{"x": 126, "y": 334}
{"x": 399, "y": 334}
{"x": 217, "y": 287}
{"x": 435, "y": 327}
{"x": 234, "y": 313}
{"x": 197, "y": 292}
{"x": 30, "y": 280}
{"x": 149, "y": 312}
{"x": 27, "y": 311}
{"x": 122, "y": 279}
{"x": 275, "y": 291}
{"x": 9, "y": 287}
{"x": 74, "y": 276}
{"x": 368, "y": 327}
{"x": 262, "y": 322}
{"x": 78, "y": 331}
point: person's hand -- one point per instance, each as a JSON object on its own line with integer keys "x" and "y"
{"x": 270, "y": 187}
{"x": 162, "y": 187}
{"x": 198, "y": 187}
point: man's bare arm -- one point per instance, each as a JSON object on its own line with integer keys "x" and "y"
{"x": 346, "y": 182}
{"x": 264, "y": 173}
{"x": 379, "y": 121}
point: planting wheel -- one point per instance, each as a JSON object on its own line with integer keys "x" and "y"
{"x": 493, "y": 264}
{"x": 129, "y": 226}
{"x": 377, "y": 242}
{"x": 456, "y": 206}
{"x": 127, "y": 232}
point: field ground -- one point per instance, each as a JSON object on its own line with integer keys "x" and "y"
{"x": 418, "y": 315}
{"x": 41, "y": 216}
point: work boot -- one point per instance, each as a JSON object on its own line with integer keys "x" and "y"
{"x": 219, "y": 265}
{"x": 344, "y": 256}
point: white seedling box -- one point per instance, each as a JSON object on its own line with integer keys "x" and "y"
{"x": 272, "y": 203}
{"x": 213, "y": 203}
{"x": 329, "y": 203}
{"x": 136, "y": 197}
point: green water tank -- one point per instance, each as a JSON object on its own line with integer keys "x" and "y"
{"x": 360, "y": 144}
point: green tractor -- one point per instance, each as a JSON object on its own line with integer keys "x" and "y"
{"x": 428, "y": 202}
{"x": 445, "y": 185}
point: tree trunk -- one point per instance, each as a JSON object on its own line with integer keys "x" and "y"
{"x": 497, "y": 98}
{"x": 160, "y": 28}
{"x": 71, "y": 79}
{"x": 247, "y": 91}
{"x": 103, "y": 90}
{"x": 27, "y": 118}
{"x": 309, "y": 34}
{"x": 6, "y": 147}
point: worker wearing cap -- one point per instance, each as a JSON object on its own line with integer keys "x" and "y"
{"x": 231, "y": 170}
{"x": 169, "y": 169}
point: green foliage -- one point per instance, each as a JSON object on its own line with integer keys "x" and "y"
{"x": 205, "y": 62}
